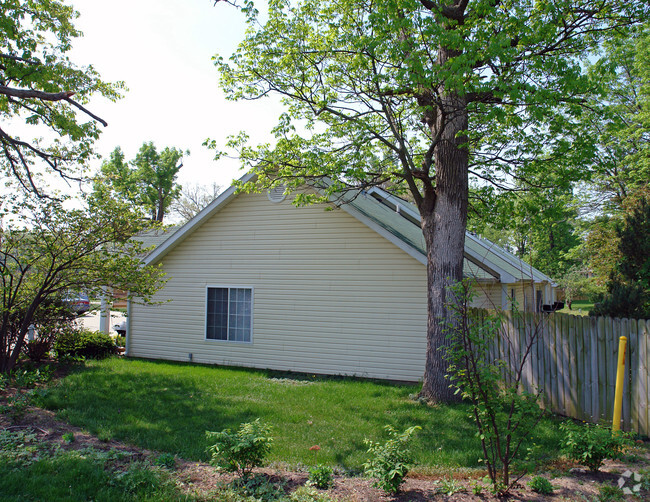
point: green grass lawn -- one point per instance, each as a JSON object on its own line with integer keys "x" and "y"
{"x": 168, "y": 407}
{"x": 578, "y": 307}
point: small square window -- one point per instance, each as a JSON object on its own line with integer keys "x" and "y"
{"x": 229, "y": 314}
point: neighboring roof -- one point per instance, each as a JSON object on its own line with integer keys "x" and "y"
{"x": 392, "y": 217}
{"x": 156, "y": 236}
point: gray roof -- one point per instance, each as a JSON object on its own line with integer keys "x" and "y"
{"x": 394, "y": 218}
{"x": 156, "y": 236}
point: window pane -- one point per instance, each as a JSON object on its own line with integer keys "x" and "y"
{"x": 217, "y": 314}
{"x": 240, "y": 314}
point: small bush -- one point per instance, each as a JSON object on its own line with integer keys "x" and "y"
{"x": 75, "y": 343}
{"x": 540, "y": 484}
{"x": 241, "y": 451}
{"x": 120, "y": 341}
{"x": 37, "y": 350}
{"x": 321, "y": 477}
{"x": 590, "y": 444}
{"x": 390, "y": 461}
{"x": 68, "y": 437}
{"x": 260, "y": 488}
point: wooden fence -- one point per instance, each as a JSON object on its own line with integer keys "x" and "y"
{"x": 573, "y": 361}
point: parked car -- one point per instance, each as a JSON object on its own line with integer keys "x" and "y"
{"x": 78, "y": 302}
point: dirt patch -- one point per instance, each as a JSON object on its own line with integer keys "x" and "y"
{"x": 569, "y": 480}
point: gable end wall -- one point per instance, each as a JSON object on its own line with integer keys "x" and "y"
{"x": 331, "y": 296}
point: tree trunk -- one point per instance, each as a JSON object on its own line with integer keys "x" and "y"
{"x": 444, "y": 221}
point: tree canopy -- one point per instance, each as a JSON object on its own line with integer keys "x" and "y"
{"x": 46, "y": 127}
{"x": 148, "y": 182}
{"x": 54, "y": 250}
{"x": 420, "y": 95}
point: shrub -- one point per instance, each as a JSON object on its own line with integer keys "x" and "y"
{"x": 321, "y": 477}
{"x": 590, "y": 444}
{"x": 390, "y": 461}
{"x": 74, "y": 343}
{"x": 37, "y": 350}
{"x": 120, "y": 341}
{"x": 505, "y": 414}
{"x": 240, "y": 451}
{"x": 540, "y": 484}
{"x": 260, "y": 488}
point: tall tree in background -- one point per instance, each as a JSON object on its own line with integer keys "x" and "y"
{"x": 193, "y": 199}
{"x": 628, "y": 288}
{"x": 419, "y": 94}
{"x": 43, "y": 93}
{"x": 148, "y": 181}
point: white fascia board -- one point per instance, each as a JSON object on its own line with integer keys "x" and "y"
{"x": 178, "y": 236}
{"x": 414, "y": 253}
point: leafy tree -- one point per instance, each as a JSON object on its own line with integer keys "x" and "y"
{"x": 55, "y": 250}
{"x": 42, "y": 93}
{"x": 628, "y": 290}
{"x": 148, "y": 181}
{"x": 418, "y": 95}
{"x": 536, "y": 224}
{"x": 618, "y": 118}
{"x": 193, "y": 199}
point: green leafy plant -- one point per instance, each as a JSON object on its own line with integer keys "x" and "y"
{"x": 609, "y": 493}
{"x": 68, "y": 437}
{"x": 27, "y": 376}
{"x": 240, "y": 451}
{"x": 166, "y": 460}
{"x": 391, "y": 461}
{"x": 321, "y": 476}
{"x": 477, "y": 488}
{"x": 74, "y": 343}
{"x": 504, "y": 413}
{"x": 16, "y": 406}
{"x": 120, "y": 341}
{"x": 259, "y": 487}
{"x": 450, "y": 486}
{"x": 539, "y": 484}
{"x": 591, "y": 444}
{"x": 309, "y": 494}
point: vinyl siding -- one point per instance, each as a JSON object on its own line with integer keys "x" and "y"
{"x": 330, "y": 295}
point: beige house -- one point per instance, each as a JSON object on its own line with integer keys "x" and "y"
{"x": 255, "y": 281}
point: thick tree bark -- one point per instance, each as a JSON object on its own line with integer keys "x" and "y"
{"x": 444, "y": 220}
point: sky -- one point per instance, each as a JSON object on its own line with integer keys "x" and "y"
{"x": 162, "y": 50}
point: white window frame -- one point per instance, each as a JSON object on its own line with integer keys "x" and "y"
{"x": 229, "y": 287}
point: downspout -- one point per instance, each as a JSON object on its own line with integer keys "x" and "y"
{"x": 127, "y": 343}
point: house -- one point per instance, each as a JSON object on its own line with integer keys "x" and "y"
{"x": 255, "y": 281}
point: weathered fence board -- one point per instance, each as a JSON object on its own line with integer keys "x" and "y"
{"x": 574, "y": 362}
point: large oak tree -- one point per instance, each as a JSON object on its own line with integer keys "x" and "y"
{"x": 420, "y": 95}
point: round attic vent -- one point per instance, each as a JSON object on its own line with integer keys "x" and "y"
{"x": 276, "y": 194}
